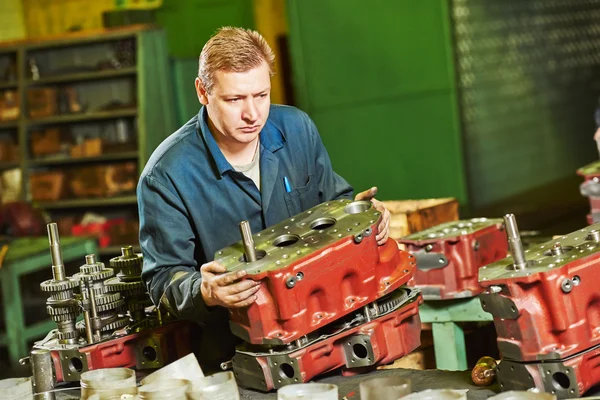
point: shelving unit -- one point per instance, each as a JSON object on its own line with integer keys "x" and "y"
{"x": 111, "y": 89}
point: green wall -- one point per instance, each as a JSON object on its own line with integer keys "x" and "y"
{"x": 189, "y": 24}
{"x": 377, "y": 78}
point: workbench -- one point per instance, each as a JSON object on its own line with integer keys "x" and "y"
{"x": 445, "y": 317}
{"x": 27, "y": 255}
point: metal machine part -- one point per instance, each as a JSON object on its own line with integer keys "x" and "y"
{"x": 43, "y": 376}
{"x": 315, "y": 267}
{"x": 249, "y": 250}
{"x": 514, "y": 242}
{"x": 546, "y": 314}
{"x": 369, "y": 337}
{"x": 61, "y": 305}
{"x": 449, "y": 255}
{"x": 116, "y": 330}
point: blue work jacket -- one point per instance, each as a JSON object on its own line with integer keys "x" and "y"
{"x": 191, "y": 200}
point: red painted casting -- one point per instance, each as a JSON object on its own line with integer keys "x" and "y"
{"x": 465, "y": 255}
{"x": 336, "y": 280}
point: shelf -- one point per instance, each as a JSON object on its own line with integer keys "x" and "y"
{"x": 89, "y": 116}
{"x": 75, "y": 203}
{"x": 84, "y": 76}
{"x": 9, "y": 124}
{"x": 8, "y": 165}
{"x": 116, "y": 250}
{"x": 8, "y": 85}
{"x": 130, "y": 155}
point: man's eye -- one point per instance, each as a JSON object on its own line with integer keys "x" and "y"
{"x": 263, "y": 95}
{"x": 232, "y": 100}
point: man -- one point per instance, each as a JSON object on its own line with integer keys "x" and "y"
{"x": 240, "y": 158}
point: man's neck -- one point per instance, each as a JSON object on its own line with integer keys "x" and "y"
{"x": 235, "y": 152}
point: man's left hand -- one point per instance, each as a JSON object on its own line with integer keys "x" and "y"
{"x": 384, "y": 226}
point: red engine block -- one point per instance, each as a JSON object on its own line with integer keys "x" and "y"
{"x": 449, "y": 255}
{"x": 548, "y": 312}
{"x": 315, "y": 268}
{"x": 371, "y": 343}
{"x": 148, "y": 349}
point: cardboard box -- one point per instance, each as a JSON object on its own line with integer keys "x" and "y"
{"x": 410, "y": 216}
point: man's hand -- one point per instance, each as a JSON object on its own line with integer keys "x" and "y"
{"x": 597, "y": 134}
{"x": 384, "y": 226}
{"x": 226, "y": 289}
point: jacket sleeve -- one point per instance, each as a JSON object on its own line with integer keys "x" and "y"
{"x": 332, "y": 186}
{"x": 168, "y": 245}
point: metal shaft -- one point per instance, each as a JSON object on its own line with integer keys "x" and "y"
{"x": 514, "y": 242}
{"x": 249, "y": 250}
{"x": 86, "y": 313}
{"x": 58, "y": 268}
{"x": 95, "y": 321}
{"x": 43, "y": 375}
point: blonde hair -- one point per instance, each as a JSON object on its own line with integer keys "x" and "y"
{"x": 233, "y": 50}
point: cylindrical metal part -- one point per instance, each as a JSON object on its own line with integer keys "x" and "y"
{"x": 58, "y": 268}
{"x": 249, "y": 250}
{"x": 43, "y": 376}
{"x": 514, "y": 242}
{"x": 90, "y": 259}
{"x": 95, "y": 322}
{"x": 86, "y": 313}
{"x": 127, "y": 251}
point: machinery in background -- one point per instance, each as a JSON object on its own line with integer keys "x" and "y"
{"x": 330, "y": 297}
{"x": 116, "y": 329}
{"x": 449, "y": 256}
{"x": 590, "y": 188}
{"x": 546, "y": 310}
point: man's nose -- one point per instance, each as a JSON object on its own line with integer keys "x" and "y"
{"x": 250, "y": 111}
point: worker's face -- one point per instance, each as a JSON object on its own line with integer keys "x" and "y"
{"x": 238, "y": 103}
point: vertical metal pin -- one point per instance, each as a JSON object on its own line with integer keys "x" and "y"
{"x": 58, "y": 268}
{"x": 514, "y": 242}
{"x": 249, "y": 250}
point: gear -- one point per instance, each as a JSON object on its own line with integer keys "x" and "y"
{"x": 96, "y": 276}
{"x": 107, "y": 298}
{"x": 58, "y": 286}
{"x": 69, "y": 309}
{"x": 110, "y": 306}
{"x": 118, "y": 323}
{"x": 129, "y": 263}
{"x": 130, "y": 276}
{"x": 74, "y": 334}
{"x": 392, "y": 301}
{"x": 91, "y": 268}
{"x": 127, "y": 288}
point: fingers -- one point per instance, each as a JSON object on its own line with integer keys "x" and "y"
{"x": 244, "y": 298}
{"x": 367, "y": 194}
{"x": 229, "y": 278}
{"x": 383, "y": 228}
{"x": 213, "y": 268}
{"x": 238, "y": 287}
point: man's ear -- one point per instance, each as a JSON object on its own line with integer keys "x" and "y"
{"x": 201, "y": 92}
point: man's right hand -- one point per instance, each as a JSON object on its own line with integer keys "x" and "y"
{"x": 226, "y": 289}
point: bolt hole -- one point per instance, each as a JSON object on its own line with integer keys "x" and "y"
{"x": 560, "y": 381}
{"x": 286, "y": 240}
{"x": 75, "y": 365}
{"x": 357, "y": 207}
{"x": 149, "y": 353}
{"x": 322, "y": 223}
{"x": 286, "y": 371}
{"x": 360, "y": 351}
{"x": 259, "y": 254}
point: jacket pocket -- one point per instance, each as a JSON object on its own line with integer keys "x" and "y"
{"x": 302, "y": 198}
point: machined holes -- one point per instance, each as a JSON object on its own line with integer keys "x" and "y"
{"x": 259, "y": 254}
{"x": 360, "y": 351}
{"x": 149, "y": 353}
{"x": 75, "y": 365}
{"x": 286, "y": 240}
{"x": 286, "y": 371}
{"x": 357, "y": 207}
{"x": 560, "y": 381}
{"x": 322, "y": 223}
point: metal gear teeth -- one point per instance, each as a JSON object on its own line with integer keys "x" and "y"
{"x": 127, "y": 263}
{"x": 118, "y": 323}
{"x": 110, "y": 306}
{"x": 60, "y": 310}
{"x": 91, "y": 268}
{"x": 57, "y": 286}
{"x": 96, "y": 276}
{"x": 68, "y": 335}
{"x": 107, "y": 298}
{"x": 394, "y": 300}
{"x": 131, "y": 288}
{"x": 61, "y": 296}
